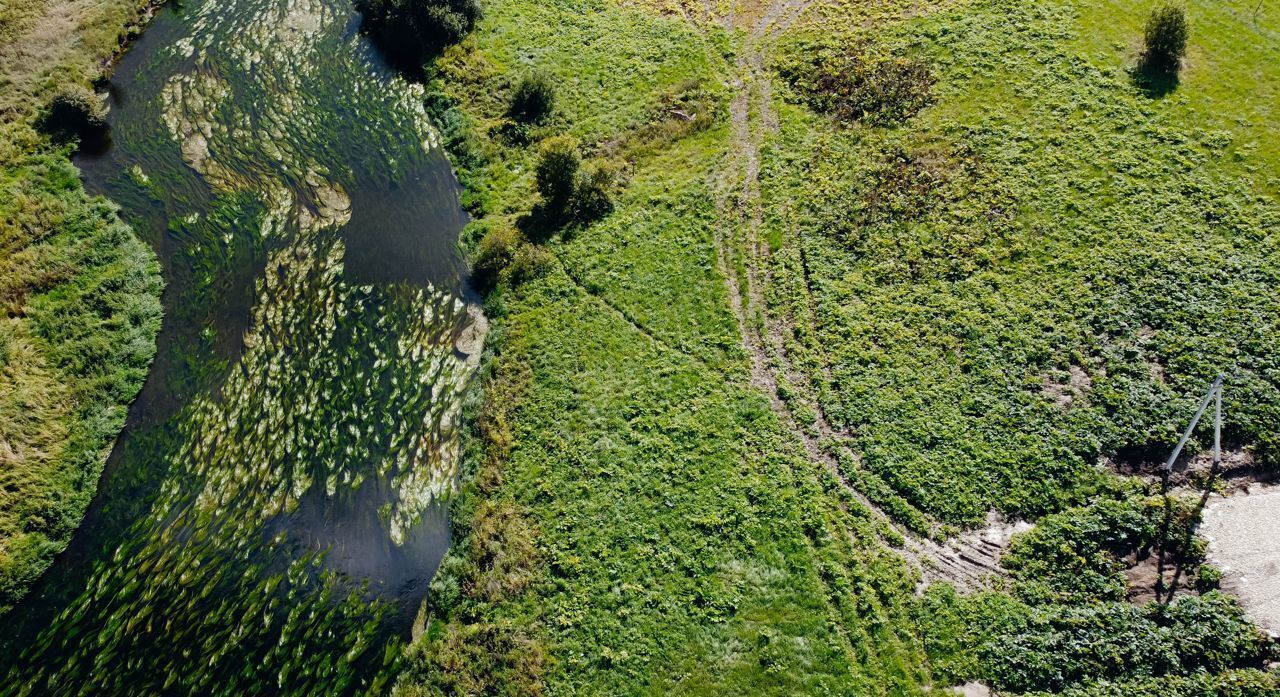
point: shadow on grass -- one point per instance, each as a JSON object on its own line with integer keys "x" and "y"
{"x": 1155, "y": 81}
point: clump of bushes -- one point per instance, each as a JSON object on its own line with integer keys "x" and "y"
{"x": 1063, "y": 646}
{"x": 411, "y": 31}
{"x": 504, "y": 254}
{"x": 533, "y": 98}
{"x": 557, "y": 172}
{"x": 77, "y": 111}
{"x": 1165, "y": 39}
{"x": 860, "y": 85}
{"x": 569, "y": 191}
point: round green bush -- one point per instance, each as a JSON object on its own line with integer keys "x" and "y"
{"x": 76, "y": 110}
{"x": 1166, "y": 38}
{"x": 533, "y": 98}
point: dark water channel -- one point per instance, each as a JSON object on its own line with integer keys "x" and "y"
{"x": 270, "y": 519}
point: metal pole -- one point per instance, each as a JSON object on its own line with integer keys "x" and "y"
{"x": 1215, "y": 392}
{"x": 1186, "y": 435}
{"x": 1217, "y": 427}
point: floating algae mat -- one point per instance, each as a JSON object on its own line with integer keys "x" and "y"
{"x": 270, "y": 519}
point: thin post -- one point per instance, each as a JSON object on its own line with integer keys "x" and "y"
{"x": 1217, "y": 428}
{"x": 1215, "y": 392}
{"x": 1186, "y": 435}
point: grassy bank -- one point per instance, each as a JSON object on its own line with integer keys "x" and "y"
{"x": 636, "y": 517}
{"x": 80, "y": 293}
{"x": 996, "y": 301}
{"x": 975, "y": 306}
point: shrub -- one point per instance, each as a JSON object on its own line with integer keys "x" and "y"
{"x": 1208, "y": 578}
{"x": 1074, "y": 555}
{"x": 493, "y": 254}
{"x": 1166, "y": 38}
{"x": 1064, "y": 646}
{"x": 410, "y": 31}
{"x": 557, "y": 173}
{"x": 533, "y": 98}
{"x": 530, "y": 261}
{"x": 76, "y": 110}
{"x": 593, "y": 193}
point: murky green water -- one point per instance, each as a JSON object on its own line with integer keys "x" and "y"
{"x": 269, "y": 521}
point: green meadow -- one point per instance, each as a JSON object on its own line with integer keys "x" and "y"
{"x": 984, "y": 306}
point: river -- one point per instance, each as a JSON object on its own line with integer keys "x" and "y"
{"x": 270, "y": 518}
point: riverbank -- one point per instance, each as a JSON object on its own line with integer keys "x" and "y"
{"x": 80, "y": 292}
{"x": 705, "y": 462}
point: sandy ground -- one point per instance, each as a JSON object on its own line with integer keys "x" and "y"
{"x": 1243, "y": 532}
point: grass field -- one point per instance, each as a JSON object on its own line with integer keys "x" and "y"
{"x": 719, "y": 429}
{"x": 80, "y": 293}
{"x": 637, "y": 519}
{"x": 976, "y": 306}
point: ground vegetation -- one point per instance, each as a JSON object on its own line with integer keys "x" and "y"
{"x": 79, "y": 292}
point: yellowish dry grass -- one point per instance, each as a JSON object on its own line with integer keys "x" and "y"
{"x": 44, "y": 43}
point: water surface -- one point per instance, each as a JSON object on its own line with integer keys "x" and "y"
{"x": 270, "y": 519}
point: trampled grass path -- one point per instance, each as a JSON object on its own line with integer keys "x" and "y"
{"x": 967, "y": 560}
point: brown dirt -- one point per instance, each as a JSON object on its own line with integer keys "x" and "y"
{"x": 1239, "y": 470}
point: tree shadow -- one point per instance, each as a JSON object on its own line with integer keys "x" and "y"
{"x": 542, "y": 223}
{"x": 1155, "y": 81}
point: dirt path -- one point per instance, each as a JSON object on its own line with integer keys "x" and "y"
{"x": 744, "y": 258}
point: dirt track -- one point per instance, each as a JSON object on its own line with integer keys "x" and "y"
{"x": 966, "y": 560}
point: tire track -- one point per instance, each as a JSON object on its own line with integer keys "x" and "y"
{"x": 967, "y": 560}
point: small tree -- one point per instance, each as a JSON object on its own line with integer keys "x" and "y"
{"x": 1166, "y": 38}
{"x": 533, "y": 98}
{"x": 593, "y": 194}
{"x": 557, "y": 173}
{"x": 410, "y": 31}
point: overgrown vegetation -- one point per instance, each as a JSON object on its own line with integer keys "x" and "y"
{"x": 1066, "y": 623}
{"x": 75, "y": 111}
{"x": 675, "y": 546}
{"x": 1040, "y": 271}
{"x": 533, "y": 98}
{"x": 859, "y": 82}
{"x": 570, "y": 192}
{"x": 79, "y": 292}
{"x": 410, "y": 31}
{"x": 969, "y": 291}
